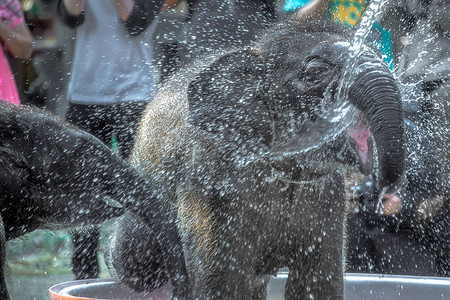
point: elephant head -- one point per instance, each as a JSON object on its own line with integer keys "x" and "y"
{"x": 286, "y": 90}
{"x": 54, "y": 173}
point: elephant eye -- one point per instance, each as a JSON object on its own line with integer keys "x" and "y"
{"x": 316, "y": 70}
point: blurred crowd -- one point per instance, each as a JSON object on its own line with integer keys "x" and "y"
{"x": 97, "y": 63}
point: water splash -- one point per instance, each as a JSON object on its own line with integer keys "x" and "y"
{"x": 357, "y": 46}
{"x": 333, "y": 120}
{"x": 379, "y": 206}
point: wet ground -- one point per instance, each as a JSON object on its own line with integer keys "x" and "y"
{"x": 40, "y": 260}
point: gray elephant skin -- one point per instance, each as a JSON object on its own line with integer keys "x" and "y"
{"x": 239, "y": 148}
{"x": 53, "y": 174}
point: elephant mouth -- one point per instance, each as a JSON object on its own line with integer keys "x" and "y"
{"x": 361, "y": 142}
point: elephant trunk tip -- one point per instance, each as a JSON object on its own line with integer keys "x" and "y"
{"x": 394, "y": 181}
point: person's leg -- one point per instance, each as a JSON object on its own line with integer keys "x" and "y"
{"x": 125, "y": 120}
{"x": 435, "y": 235}
{"x": 170, "y": 60}
{"x": 400, "y": 253}
{"x": 104, "y": 122}
{"x": 84, "y": 257}
{"x": 90, "y": 118}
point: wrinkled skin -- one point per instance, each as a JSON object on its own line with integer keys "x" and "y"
{"x": 231, "y": 145}
{"x": 54, "y": 174}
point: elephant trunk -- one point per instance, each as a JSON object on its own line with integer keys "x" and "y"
{"x": 375, "y": 93}
{"x": 130, "y": 188}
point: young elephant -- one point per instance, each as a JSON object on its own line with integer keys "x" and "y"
{"x": 54, "y": 174}
{"x": 246, "y": 149}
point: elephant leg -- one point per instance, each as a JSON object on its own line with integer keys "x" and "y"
{"x": 319, "y": 277}
{"x": 256, "y": 285}
{"x": 224, "y": 269}
{"x": 136, "y": 257}
{"x": 84, "y": 256}
{"x": 259, "y": 287}
{"x": 316, "y": 272}
{"x": 233, "y": 284}
{"x": 3, "y": 287}
{"x": 359, "y": 254}
{"x": 231, "y": 270}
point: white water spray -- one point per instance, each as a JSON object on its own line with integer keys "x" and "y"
{"x": 357, "y": 45}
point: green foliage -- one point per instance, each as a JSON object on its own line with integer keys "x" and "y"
{"x": 45, "y": 252}
{"x": 40, "y": 252}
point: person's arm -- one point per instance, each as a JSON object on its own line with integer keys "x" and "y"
{"x": 170, "y": 4}
{"x": 71, "y": 12}
{"x": 74, "y": 7}
{"x": 137, "y": 14}
{"x": 18, "y": 40}
{"x": 124, "y": 8}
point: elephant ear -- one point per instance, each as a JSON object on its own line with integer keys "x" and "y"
{"x": 226, "y": 99}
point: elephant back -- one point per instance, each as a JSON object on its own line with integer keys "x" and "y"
{"x": 161, "y": 139}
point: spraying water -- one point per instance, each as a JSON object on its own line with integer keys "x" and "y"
{"x": 333, "y": 120}
{"x": 379, "y": 206}
{"x": 355, "y": 50}
{"x": 357, "y": 45}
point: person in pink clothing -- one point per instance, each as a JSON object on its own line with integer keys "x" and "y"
{"x": 15, "y": 38}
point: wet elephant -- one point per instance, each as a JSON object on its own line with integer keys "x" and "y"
{"x": 246, "y": 148}
{"x": 52, "y": 173}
